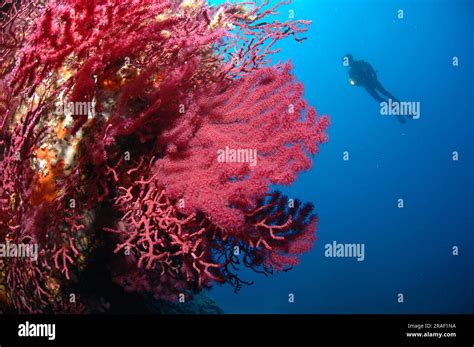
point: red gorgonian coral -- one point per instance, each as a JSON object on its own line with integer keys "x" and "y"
{"x": 112, "y": 118}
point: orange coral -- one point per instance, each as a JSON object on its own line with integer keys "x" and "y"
{"x": 45, "y": 188}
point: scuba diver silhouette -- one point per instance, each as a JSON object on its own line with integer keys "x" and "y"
{"x": 362, "y": 74}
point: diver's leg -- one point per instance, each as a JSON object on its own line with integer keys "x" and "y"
{"x": 378, "y": 86}
{"x": 374, "y": 94}
{"x": 382, "y": 90}
{"x": 377, "y": 97}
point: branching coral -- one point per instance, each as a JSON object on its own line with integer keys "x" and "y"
{"x": 125, "y": 105}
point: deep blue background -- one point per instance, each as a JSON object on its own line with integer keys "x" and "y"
{"x": 407, "y": 250}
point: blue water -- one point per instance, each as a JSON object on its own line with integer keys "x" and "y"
{"x": 409, "y": 250}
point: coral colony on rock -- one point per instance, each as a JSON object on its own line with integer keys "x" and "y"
{"x": 113, "y": 116}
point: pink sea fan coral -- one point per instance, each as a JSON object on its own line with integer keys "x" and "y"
{"x": 264, "y": 112}
{"x": 113, "y": 115}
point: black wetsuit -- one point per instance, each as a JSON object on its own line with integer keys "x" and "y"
{"x": 362, "y": 74}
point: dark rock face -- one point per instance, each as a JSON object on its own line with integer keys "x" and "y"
{"x": 199, "y": 304}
